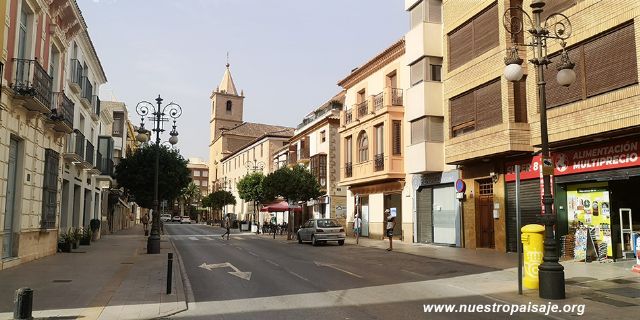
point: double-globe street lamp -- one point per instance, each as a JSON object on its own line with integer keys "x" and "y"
{"x": 158, "y": 115}
{"x": 254, "y": 166}
{"x": 556, "y": 27}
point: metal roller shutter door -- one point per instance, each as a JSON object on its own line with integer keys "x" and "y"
{"x": 424, "y": 215}
{"x": 530, "y": 208}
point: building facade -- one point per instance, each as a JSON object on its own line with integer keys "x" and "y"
{"x": 316, "y": 145}
{"x": 493, "y": 124}
{"x": 38, "y": 111}
{"x": 372, "y": 142}
{"x": 199, "y": 174}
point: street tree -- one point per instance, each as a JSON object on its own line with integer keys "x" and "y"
{"x": 135, "y": 174}
{"x": 293, "y": 184}
{"x": 188, "y": 195}
{"x": 250, "y": 189}
{"x": 218, "y": 200}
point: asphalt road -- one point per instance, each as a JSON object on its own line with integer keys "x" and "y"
{"x": 288, "y": 280}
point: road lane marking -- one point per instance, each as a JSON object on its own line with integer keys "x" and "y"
{"x": 236, "y": 272}
{"x": 413, "y": 273}
{"x": 193, "y": 238}
{"x": 252, "y": 253}
{"x": 320, "y": 264}
{"x": 299, "y": 276}
{"x": 208, "y": 238}
{"x": 271, "y": 262}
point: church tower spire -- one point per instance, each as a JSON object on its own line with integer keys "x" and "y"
{"x": 226, "y": 85}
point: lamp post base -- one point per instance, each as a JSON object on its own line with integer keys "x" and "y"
{"x": 551, "y": 284}
{"x": 153, "y": 244}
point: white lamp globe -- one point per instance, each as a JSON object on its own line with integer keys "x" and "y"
{"x": 566, "y": 77}
{"x": 513, "y": 72}
{"x": 173, "y": 140}
{"x": 142, "y": 137}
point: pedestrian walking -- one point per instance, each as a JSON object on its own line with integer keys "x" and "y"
{"x": 391, "y": 223}
{"x": 357, "y": 225}
{"x": 274, "y": 225}
{"x": 227, "y": 224}
{"x": 145, "y": 222}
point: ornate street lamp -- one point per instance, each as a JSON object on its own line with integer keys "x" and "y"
{"x": 158, "y": 116}
{"x": 254, "y": 165}
{"x": 557, "y": 27}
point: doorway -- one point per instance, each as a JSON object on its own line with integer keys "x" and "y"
{"x": 10, "y": 211}
{"x": 364, "y": 211}
{"x": 391, "y": 201}
{"x": 484, "y": 215}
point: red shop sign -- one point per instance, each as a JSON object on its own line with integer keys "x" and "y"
{"x": 618, "y": 154}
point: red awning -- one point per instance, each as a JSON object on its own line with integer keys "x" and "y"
{"x": 281, "y": 206}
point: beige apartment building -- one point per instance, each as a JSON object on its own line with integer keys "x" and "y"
{"x": 372, "y": 142}
{"x": 593, "y": 124}
{"x": 199, "y": 171}
{"x": 316, "y": 145}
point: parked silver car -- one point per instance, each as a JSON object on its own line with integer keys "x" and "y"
{"x": 321, "y": 230}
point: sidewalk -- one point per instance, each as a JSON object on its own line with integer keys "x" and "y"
{"x": 113, "y": 278}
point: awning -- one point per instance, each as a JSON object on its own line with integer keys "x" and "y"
{"x": 281, "y": 206}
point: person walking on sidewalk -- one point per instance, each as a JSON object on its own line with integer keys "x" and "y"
{"x": 274, "y": 225}
{"x": 145, "y": 222}
{"x": 391, "y": 223}
{"x": 227, "y": 224}
{"x": 357, "y": 225}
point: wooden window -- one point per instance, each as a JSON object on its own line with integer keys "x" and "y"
{"x": 323, "y": 136}
{"x": 318, "y": 166}
{"x": 486, "y": 187}
{"x": 396, "y": 137}
{"x": 361, "y": 96}
{"x": 603, "y": 63}
{"x": 520, "y": 100}
{"x": 229, "y": 104}
{"x": 348, "y": 147}
{"x": 436, "y": 72}
{"x": 363, "y": 147}
{"x": 418, "y": 130}
{"x": 429, "y": 129}
{"x": 379, "y": 129}
{"x": 49, "y": 189}
{"x": 476, "y": 109}
{"x": 474, "y": 37}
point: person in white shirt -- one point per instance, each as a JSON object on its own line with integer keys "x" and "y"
{"x": 357, "y": 227}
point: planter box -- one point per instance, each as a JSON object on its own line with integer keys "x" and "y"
{"x": 64, "y": 246}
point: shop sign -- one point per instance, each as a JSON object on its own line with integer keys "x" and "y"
{"x": 620, "y": 154}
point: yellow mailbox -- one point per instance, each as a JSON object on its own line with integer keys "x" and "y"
{"x": 532, "y": 247}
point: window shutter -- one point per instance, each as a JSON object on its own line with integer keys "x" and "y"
{"x": 462, "y": 109}
{"x": 49, "y": 189}
{"x": 397, "y": 137}
{"x": 488, "y": 105}
{"x": 436, "y": 129}
{"x": 557, "y": 94}
{"x": 610, "y": 61}
{"x": 485, "y": 30}
{"x": 460, "y": 46}
{"x": 416, "y": 71}
{"x": 520, "y": 100}
{"x": 555, "y": 6}
{"x": 435, "y": 11}
{"x": 418, "y": 130}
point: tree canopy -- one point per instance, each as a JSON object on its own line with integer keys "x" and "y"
{"x": 250, "y": 187}
{"x": 136, "y": 173}
{"x": 295, "y": 184}
{"x": 218, "y": 199}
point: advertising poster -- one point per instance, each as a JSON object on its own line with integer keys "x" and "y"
{"x": 589, "y": 205}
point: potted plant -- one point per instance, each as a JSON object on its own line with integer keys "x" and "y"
{"x": 75, "y": 235}
{"x": 94, "y": 225}
{"x": 85, "y": 238}
{"x": 65, "y": 241}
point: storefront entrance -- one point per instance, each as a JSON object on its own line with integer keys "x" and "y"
{"x": 391, "y": 201}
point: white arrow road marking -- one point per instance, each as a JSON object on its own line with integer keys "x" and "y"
{"x": 236, "y": 272}
{"x": 320, "y": 264}
{"x": 193, "y": 238}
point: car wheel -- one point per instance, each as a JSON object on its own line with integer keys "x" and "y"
{"x": 341, "y": 242}
{"x": 314, "y": 242}
{"x": 299, "y": 238}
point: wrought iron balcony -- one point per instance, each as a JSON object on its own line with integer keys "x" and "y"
{"x": 378, "y": 101}
{"x": 87, "y": 93}
{"x": 62, "y": 111}
{"x": 348, "y": 170}
{"x": 75, "y": 147}
{"x": 363, "y": 108}
{"x": 379, "y": 162}
{"x": 348, "y": 116}
{"x": 396, "y": 97}
{"x": 89, "y": 153}
{"x": 76, "y": 75}
{"x": 32, "y": 84}
{"x": 104, "y": 164}
{"x": 96, "y": 105}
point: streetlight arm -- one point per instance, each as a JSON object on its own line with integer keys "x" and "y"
{"x": 143, "y": 108}
{"x": 173, "y": 110}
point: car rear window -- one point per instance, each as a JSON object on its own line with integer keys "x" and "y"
{"x": 328, "y": 223}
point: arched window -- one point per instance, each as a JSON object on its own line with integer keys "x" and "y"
{"x": 363, "y": 147}
{"x": 228, "y": 105}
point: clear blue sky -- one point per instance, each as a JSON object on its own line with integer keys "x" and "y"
{"x": 287, "y": 55}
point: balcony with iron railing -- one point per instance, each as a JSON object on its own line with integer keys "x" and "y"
{"x": 348, "y": 117}
{"x": 378, "y": 101}
{"x": 363, "y": 108}
{"x": 75, "y": 147}
{"x": 95, "y": 108}
{"x": 89, "y": 153}
{"x": 86, "y": 95}
{"x": 378, "y": 162}
{"x": 105, "y": 166}
{"x": 76, "y": 76}
{"x": 62, "y": 112}
{"x": 396, "y": 97}
{"x": 348, "y": 170}
{"x": 32, "y": 85}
